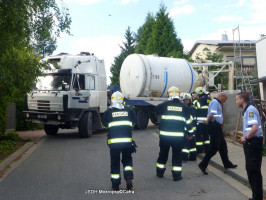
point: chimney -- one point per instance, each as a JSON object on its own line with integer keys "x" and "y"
{"x": 224, "y": 37}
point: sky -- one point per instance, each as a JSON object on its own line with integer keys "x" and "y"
{"x": 98, "y": 26}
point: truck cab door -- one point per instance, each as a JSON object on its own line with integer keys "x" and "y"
{"x": 79, "y": 95}
{"x": 90, "y": 85}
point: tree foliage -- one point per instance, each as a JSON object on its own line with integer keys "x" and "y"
{"x": 127, "y": 49}
{"x": 29, "y": 30}
{"x": 158, "y": 36}
{"x": 214, "y": 57}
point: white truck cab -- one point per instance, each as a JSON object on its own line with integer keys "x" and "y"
{"x": 73, "y": 93}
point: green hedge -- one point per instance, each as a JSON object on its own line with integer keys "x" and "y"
{"x": 21, "y": 123}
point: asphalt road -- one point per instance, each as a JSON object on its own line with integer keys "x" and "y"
{"x": 65, "y": 167}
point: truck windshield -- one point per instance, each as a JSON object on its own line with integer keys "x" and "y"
{"x": 54, "y": 81}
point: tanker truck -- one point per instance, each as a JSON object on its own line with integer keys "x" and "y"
{"x": 73, "y": 93}
{"x": 145, "y": 80}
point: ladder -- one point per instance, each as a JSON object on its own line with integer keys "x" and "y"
{"x": 240, "y": 73}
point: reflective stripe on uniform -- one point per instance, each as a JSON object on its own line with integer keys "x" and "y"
{"x": 213, "y": 111}
{"x": 128, "y": 168}
{"x": 185, "y": 150}
{"x": 162, "y": 166}
{"x": 199, "y": 143}
{"x": 189, "y": 121}
{"x": 191, "y": 130}
{"x": 176, "y": 168}
{"x": 119, "y": 140}
{"x": 120, "y": 123}
{"x": 207, "y": 142}
{"x": 115, "y": 176}
{"x": 171, "y": 133}
{"x": 204, "y": 107}
{"x": 192, "y": 150}
{"x": 172, "y": 117}
{"x": 253, "y": 121}
{"x": 202, "y": 118}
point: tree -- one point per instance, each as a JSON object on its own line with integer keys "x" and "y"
{"x": 127, "y": 49}
{"x": 29, "y": 30}
{"x": 158, "y": 36}
{"x": 214, "y": 57}
{"x": 144, "y": 34}
{"x": 208, "y": 55}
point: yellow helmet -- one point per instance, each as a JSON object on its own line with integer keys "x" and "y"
{"x": 199, "y": 90}
{"x": 173, "y": 91}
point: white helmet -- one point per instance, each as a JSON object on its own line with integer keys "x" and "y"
{"x": 117, "y": 100}
{"x": 186, "y": 96}
{"x": 173, "y": 92}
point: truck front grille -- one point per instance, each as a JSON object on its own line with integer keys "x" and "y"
{"x": 43, "y": 105}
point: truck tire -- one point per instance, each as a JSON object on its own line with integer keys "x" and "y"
{"x": 142, "y": 119}
{"x": 85, "y": 125}
{"x": 155, "y": 119}
{"x": 50, "y": 129}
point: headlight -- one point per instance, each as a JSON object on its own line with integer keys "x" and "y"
{"x": 59, "y": 117}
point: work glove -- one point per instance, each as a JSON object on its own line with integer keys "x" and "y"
{"x": 134, "y": 147}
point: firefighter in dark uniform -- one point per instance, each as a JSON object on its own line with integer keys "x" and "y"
{"x": 119, "y": 120}
{"x": 195, "y": 99}
{"x": 189, "y": 151}
{"x": 174, "y": 124}
{"x": 202, "y": 136}
{"x": 253, "y": 144}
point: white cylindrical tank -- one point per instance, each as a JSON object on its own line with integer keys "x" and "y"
{"x": 152, "y": 76}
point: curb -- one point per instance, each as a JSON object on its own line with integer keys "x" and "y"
{"x": 230, "y": 173}
{"x": 5, "y": 164}
{"x": 8, "y": 163}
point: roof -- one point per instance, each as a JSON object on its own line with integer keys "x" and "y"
{"x": 221, "y": 43}
{"x": 262, "y": 38}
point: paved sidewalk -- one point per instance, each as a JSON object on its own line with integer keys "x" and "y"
{"x": 236, "y": 155}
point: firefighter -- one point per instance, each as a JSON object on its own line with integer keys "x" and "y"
{"x": 119, "y": 121}
{"x": 174, "y": 124}
{"x": 189, "y": 151}
{"x": 195, "y": 99}
{"x": 202, "y": 136}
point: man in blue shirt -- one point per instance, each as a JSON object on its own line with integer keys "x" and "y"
{"x": 215, "y": 125}
{"x": 253, "y": 144}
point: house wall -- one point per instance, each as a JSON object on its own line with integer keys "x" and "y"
{"x": 261, "y": 64}
{"x": 200, "y": 48}
{"x": 261, "y": 58}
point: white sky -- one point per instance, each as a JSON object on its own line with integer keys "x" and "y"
{"x": 98, "y": 26}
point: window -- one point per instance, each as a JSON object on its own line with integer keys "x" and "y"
{"x": 79, "y": 82}
{"x": 90, "y": 82}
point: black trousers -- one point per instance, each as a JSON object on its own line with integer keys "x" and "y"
{"x": 115, "y": 164}
{"x": 189, "y": 151}
{"x": 202, "y": 138}
{"x": 176, "y": 157}
{"x": 253, "y": 153}
{"x": 217, "y": 143}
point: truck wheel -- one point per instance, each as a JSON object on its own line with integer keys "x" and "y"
{"x": 85, "y": 125}
{"x": 155, "y": 119}
{"x": 50, "y": 129}
{"x": 142, "y": 119}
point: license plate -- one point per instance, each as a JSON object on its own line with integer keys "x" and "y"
{"x": 40, "y": 116}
